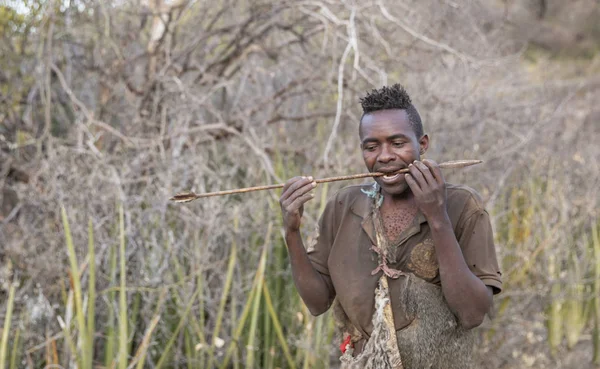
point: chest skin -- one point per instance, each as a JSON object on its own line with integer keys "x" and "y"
{"x": 397, "y": 219}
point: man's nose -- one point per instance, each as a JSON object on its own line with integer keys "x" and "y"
{"x": 386, "y": 155}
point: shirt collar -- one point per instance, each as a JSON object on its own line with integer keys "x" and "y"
{"x": 362, "y": 206}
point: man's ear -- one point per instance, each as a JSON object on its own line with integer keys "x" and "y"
{"x": 423, "y": 144}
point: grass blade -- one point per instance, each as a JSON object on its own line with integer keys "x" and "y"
{"x": 226, "y": 288}
{"x": 190, "y": 353}
{"x": 76, "y": 277}
{"x": 277, "y": 326}
{"x": 251, "y": 345}
{"x": 201, "y": 320}
{"x": 182, "y": 321}
{"x": 260, "y": 272}
{"x": 110, "y": 341}
{"x": 123, "y": 337}
{"x": 576, "y": 308}
{"x": 196, "y": 324}
{"x": 267, "y": 346}
{"x": 91, "y": 324}
{"x": 66, "y": 327}
{"x": 240, "y": 326}
{"x": 555, "y": 322}
{"x": 233, "y": 317}
{"x": 140, "y": 355}
{"x": 6, "y": 326}
{"x": 15, "y": 350}
{"x": 133, "y": 320}
{"x": 596, "y": 291}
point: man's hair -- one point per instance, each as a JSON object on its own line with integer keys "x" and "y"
{"x": 394, "y": 97}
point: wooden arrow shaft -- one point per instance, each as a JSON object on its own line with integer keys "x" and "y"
{"x": 190, "y": 196}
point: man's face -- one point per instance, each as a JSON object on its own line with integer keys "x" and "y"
{"x": 389, "y": 143}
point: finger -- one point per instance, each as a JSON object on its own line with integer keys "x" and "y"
{"x": 293, "y": 184}
{"x": 415, "y": 172}
{"x": 301, "y": 191}
{"x": 414, "y": 186}
{"x": 435, "y": 170}
{"x": 427, "y": 174}
{"x": 301, "y": 200}
{"x": 291, "y": 181}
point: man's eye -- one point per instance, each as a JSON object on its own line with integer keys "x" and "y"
{"x": 398, "y": 144}
{"x": 370, "y": 147}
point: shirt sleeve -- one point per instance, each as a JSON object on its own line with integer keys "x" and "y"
{"x": 319, "y": 245}
{"x": 477, "y": 243}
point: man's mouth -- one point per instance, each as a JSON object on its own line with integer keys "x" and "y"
{"x": 391, "y": 175}
{"x": 391, "y": 178}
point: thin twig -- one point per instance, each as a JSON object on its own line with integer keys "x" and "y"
{"x": 340, "y": 100}
{"x": 190, "y": 196}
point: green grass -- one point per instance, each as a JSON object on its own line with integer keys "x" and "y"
{"x": 530, "y": 237}
{"x": 225, "y": 294}
{"x": 257, "y": 319}
{"x": 260, "y": 335}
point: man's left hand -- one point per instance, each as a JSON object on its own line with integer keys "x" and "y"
{"x": 429, "y": 188}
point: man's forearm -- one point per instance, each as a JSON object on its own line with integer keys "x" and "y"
{"x": 467, "y": 296}
{"x": 309, "y": 282}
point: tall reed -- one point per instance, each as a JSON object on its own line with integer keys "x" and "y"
{"x": 596, "y": 294}
{"x": 15, "y": 351}
{"x": 225, "y": 293}
{"x": 268, "y": 322}
{"x": 123, "y": 337}
{"x": 531, "y": 234}
{"x": 250, "y": 302}
{"x": 85, "y": 355}
{"x": 6, "y": 326}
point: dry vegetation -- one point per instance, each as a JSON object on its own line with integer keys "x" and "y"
{"x": 121, "y": 104}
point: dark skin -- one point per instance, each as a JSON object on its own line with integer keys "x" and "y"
{"x": 389, "y": 143}
{"x": 310, "y": 284}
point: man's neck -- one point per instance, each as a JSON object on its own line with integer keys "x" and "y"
{"x": 397, "y": 214}
{"x": 402, "y": 201}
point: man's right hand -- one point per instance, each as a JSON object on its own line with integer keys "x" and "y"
{"x": 312, "y": 285}
{"x": 296, "y": 192}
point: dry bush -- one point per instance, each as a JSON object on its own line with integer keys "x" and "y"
{"x": 130, "y": 102}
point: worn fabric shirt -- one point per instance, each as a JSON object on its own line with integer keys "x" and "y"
{"x": 341, "y": 250}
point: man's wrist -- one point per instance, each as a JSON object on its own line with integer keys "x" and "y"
{"x": 439, "y": 221}
{"x": 292, "y": 233}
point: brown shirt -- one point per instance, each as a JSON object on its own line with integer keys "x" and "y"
{"x": 341, "y": 251}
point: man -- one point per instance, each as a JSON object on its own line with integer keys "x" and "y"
{"x": 410, "y": 254}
